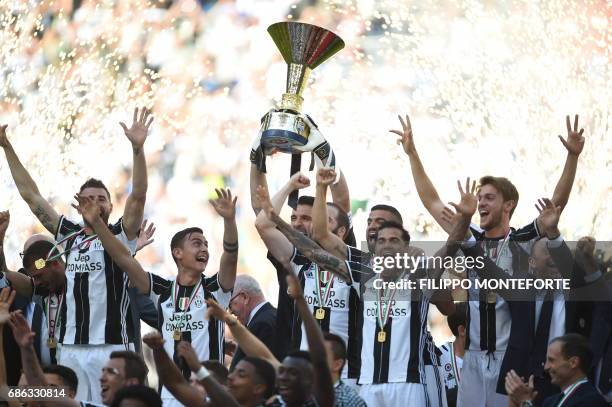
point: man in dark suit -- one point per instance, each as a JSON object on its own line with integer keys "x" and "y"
{"x": 568, "y": 361}
{"x": 259, "y": 316}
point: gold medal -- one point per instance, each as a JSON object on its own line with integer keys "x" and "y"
{"x": 382, "y": 336}
{"x": 320, "y": 313}
{"x": 491, "y": 297}
{"x": 40, "y": 264}
{"x": 51, "y": 343}
{"x": 177, "y": 335}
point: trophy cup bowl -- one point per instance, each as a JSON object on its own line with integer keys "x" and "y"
{"x": 303, "y": 47}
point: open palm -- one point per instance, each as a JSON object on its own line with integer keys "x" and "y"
{"x": 137, "y": 134}
{"x": 225, "y": 205}
{"x": 575, "y": 140}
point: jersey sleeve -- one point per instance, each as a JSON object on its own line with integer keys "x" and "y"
{"x": 65, "y": 227}
{"x": 358, "y": 273}
{"x": 527, "y": 232}
{"x": 212, "y": 285}
{"x": 119, "y": 233}
{"x": 158, "y": 286}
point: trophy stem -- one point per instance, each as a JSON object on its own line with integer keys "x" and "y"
{"x": 297, "y": 77}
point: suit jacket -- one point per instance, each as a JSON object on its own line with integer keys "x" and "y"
{"x": 586, "y": 395}
{"x": 263, "y": 326}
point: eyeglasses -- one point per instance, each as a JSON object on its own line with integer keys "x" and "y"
{"x": 234, "y": 297}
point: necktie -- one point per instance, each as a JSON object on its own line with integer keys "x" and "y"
{"x": 542, "y": 331}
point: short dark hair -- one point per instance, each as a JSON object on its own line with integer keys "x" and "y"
{"x": 306, "y": 200}
{"x": 264, "y": 373}
{"x": 576, "y": 345}
{"x": 342, "y": 218}
{"x": 179, "y": 238}
{"x": 300, "y": 354}
{"x": 218, "y": 371}
{"x": 458, "y": 318}
{"x": 36, "y": 251}
{"x": 143, "y": 393}
{"x": 504, "y": 186}
{"x": 69, "y": 377}
{"x": 94, "y": 183}
{"x": 135, "y": 367}
{"x": 338, "y": 346}
{"x": 390, "y": 209}
{"x": 394, "y": 225}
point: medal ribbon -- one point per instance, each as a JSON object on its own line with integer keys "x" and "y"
{"x": 323, "y": 296}
{"x": 454, "y": 364}
{"x": 383, "y": 316}
{"x": 51, "y": 332}
{"x": 193, "y": 294}
{"x": 79, "y": 246}
{"x": 571, "y": 391}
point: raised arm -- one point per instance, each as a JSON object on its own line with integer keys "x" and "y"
{"x": 323, "y": 384}
{"x": 226, "y": 208}
{"x": 29, "y": 361}
{"x": 320, "y": 231}
{"x": 134, "y": 206}
{"x": 119, "y": 253}
{"x": 21, "y": 283}
{"x": 169, "y": 374}
{"x": 574, "y": 145}
{"x": 302, "y": 243}
{"x": 340, "y": 192}
{"x": 6, "y": 299}
{"x": 426, "y": 190}
{"x": 217, "y": 394}
{"x": 249, "y": 343}
{"x": 277, "y": 244}
{"x": 28, "y": 190}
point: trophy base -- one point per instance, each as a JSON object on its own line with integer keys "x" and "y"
{"x": 283, "y": 131}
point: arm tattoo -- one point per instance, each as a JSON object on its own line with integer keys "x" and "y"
{"x": 310, "y": 249}
{"x": 2, "y": 259}
{"x": 44, "y": 218}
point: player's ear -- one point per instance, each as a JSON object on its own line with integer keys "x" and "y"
{"x": 177, "y": 253}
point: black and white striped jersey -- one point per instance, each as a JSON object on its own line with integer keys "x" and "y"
{"x": 97, "y": 302}
{"x": 451, "y": 370}
{"x": 340, "y": 313}
{"x": 182, "y": 316}
{"x": 489, "y": 320}
{"x": 395, "y": 353}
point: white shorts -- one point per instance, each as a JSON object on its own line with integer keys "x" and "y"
{"x": 393, "y": 394}
{"x": 87, "y": 362}
{"x": 479, "y": 376}
{"x": 435, "y": 387}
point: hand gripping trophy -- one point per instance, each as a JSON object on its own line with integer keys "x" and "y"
{"x": 303, "y": 47}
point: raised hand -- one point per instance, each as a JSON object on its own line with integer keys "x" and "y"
{"x": 6, "y": 299}
{"x": 406, "y": 139}
{"x": 549, "y": 216}
{"x": 21, "y": 330}
{"x": 154, "y": 340}
{"x": 263, "y": 199}
{"x": 4, "y": 142}
{"x": 186, "y": 351}
{"x": 214, "y": 310}
{"x": 87, "y": 208}
{"x": 326, "y": 176}
{"x": 294, "y": 289}
{"x": 575, "y": 141}
{"x": 224, "y": 204}
{"x": 585, "y": 254}
{"x": 145, "y": 237}
{"x": 137, "y": 134}
{"x": 468, "y": 203}
{"x": 5, "y": 218}
{"x": 299, "y": 181}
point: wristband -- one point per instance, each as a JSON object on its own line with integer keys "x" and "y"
{"x": 230, "y": 247}
{"x": 202, "y": 374}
